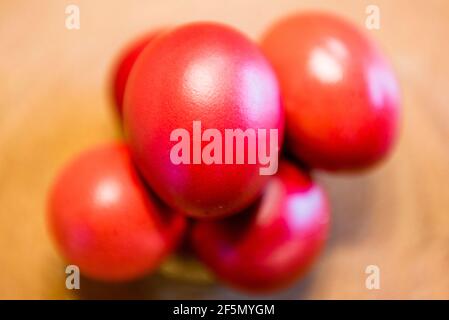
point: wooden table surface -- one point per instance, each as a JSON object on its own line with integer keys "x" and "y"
{"x": 54, "y": 102}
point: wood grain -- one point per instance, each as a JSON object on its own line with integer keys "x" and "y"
{"x": 54, "y": 102}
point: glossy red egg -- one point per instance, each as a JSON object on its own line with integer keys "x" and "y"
{"x": 273, "y": 243}
{"x": 104, "y": 221}
{"x": 124, "y": 65}
{"x": 340, "y": 93}
{"x": 207, "y": 73}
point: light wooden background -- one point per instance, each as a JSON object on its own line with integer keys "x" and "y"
{"x": 54, "y": 102}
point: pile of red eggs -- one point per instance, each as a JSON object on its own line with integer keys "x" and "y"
{"x": 117, "y": 211}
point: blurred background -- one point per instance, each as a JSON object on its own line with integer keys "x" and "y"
{"x": 55, "y": 101}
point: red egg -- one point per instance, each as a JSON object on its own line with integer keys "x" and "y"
{"x": 124, "y": 65}
{"x": 213, "y": 77}
{"x": 340, "y": 93}
{"x": 104, "y": 221}
{"x": 273, "y": 243}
